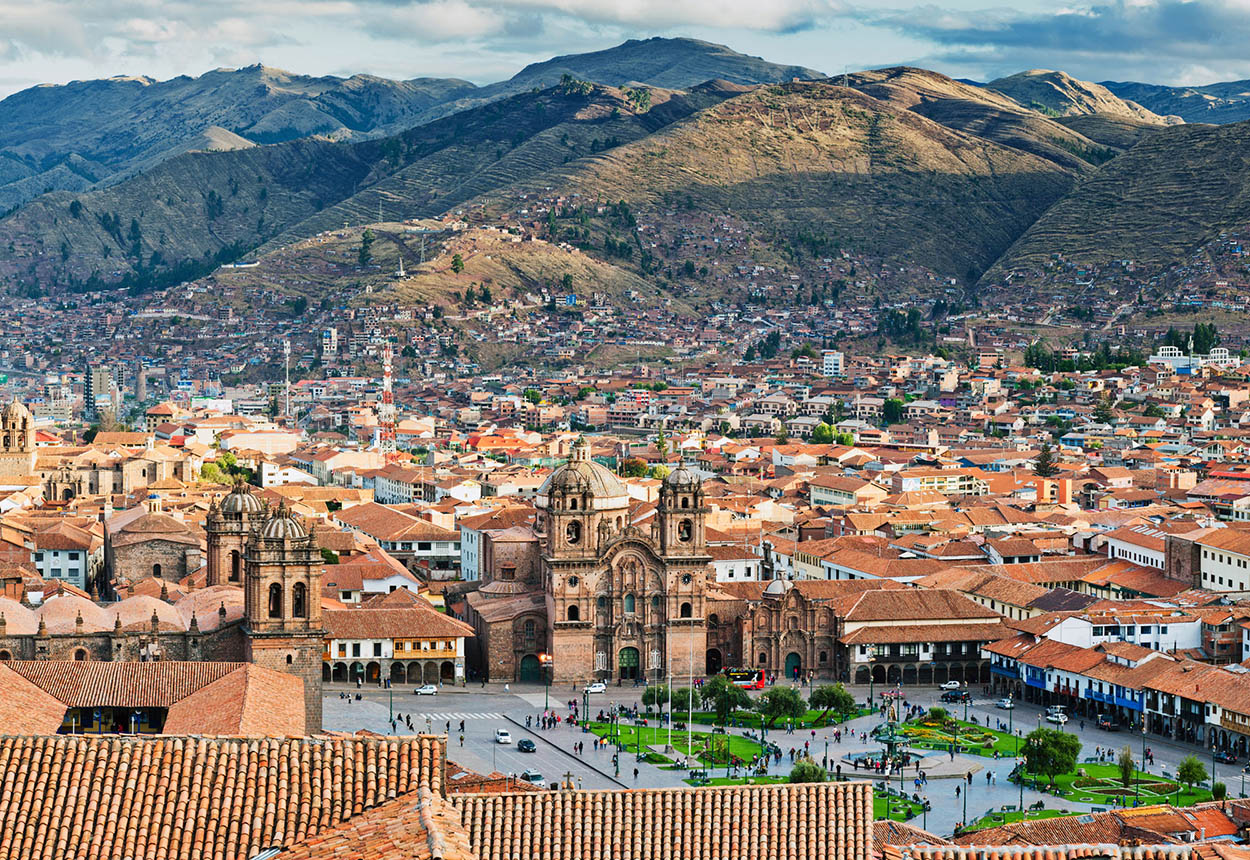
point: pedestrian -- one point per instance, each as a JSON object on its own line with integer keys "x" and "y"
{"x": 635, "y": 774}
{"x": 957, "y": 792}
{"x": 462, "y": 740}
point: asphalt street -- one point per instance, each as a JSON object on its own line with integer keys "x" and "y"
{"x": 486, "y": 709}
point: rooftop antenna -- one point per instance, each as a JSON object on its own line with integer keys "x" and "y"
{"x": 386, "y": 409}
{"x": 286, "y": 369}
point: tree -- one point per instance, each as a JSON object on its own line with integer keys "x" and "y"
{"x": 1044, "y": 466}
{"x": 724, "y": 697}
{"x": 457, "y": 263}
{"x": 659, "y": 472}
{"x": 633, "y": 467}
{"x": 655, "y": 694}
{"x": 1219, "y": 791}
{"x": 822, "y": 434}
{"x": 1102, "y": 410}
{"x": 1050, "y": 752}
{"x": 780, "y": 702}
{"x": 845, "y": 438}
{"x": 682, "y": 699}
{"x": 365, "y": 254}
{"x": 806, "y": 770}
{"x": 1126, "y": 766}
{"x": 892, "y": 411}
{"x": 833, "y": 697}
{"x": 1191, "y": 771}
{"x": 566, "y": 283}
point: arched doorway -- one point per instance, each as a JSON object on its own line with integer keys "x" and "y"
{"x": 398, "y": 673}
{"x": 861, "y": 675}
{"x": 447, "y": 671}
{"x": 628, "y": 662}
{"x": 531, "y": 670}
{"x": 339, "y": 673}
{"x": 325, "y": 673}
{"x": 358, "y": 672}
{"x": 893, "y": 675}
{"x": 909, "y": 674}
{"x": 878, "y": 674}
{"x": 926, "y": 674}
{"x": 431, "y": 673}
{"x": 414, "y": 673}
{"x": 373, "y": 672}
{"x": 794, "y": 665}
{"x": 714, "y": 662}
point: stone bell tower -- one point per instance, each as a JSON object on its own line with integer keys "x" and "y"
{"x": 282, "y": 568}
{"x": 227, "y": 529}
{"x": 17, "y": 441}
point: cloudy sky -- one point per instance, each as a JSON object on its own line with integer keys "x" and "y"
{"x": 1165, "y": 41}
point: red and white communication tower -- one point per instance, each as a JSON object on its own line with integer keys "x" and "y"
{"x": 386, "y": 409}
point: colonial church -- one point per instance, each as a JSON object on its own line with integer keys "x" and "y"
{"x": 615, "y": 602}
{"x": 261, "y": 604}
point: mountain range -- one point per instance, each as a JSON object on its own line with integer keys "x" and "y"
{"x": 147, "y": 182}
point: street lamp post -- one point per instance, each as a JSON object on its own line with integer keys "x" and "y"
{"x": 1020, "y": 773}
{"x": 1137, "y": 791}
{"x": 1213, "y": 766}
{"x": 967, "y": 788}
{"x": 545, "y": 660}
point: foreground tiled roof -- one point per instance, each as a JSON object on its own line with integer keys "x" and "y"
{"x": 198, "y": 798}
{"x": 823, "y": 821}
{"x": 1102, "y": 851}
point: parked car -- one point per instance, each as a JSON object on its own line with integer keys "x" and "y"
{"x": 597, "y": 687}
{"x": 956, "y": 696}
{"x": 526, "y": 745}
{"x": 427, "y": 690}
{"x": 1225, "y": 758}
{"x": 533, "y": 777}
{"x": 1005, "y": 704}
{"x": 1057, "y": 718}
{"x": 503, "y": 736}
{"x": 950, "y": 685}
{"x": 1107, "y": 724}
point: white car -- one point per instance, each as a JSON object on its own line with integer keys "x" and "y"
{"x": 1057, "y": 719}
{"x": 427, "y": 690}
{"x": 950, "y": 685}
{"x": 1005, "y": 704}
{"x": 503, "y": 736}
{"x": 597, "y": 687}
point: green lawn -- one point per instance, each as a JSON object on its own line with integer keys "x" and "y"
{"x": 1101, "y": 785}
{"x": 656, "y": 736}
{"x": 896, "y": 808}
{"x": 751, "y": 719}
{"x": 971, "y": 739}
{"x": 771, "y": 779}
{"x": 996, "y": 818}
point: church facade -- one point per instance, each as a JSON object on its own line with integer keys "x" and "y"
{"x": 621, "y": 602}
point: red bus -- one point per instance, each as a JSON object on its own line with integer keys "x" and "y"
{"x": 747, "y": 679}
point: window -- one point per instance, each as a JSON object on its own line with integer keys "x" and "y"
{"x": 685, "y": 531}
{"x": 601, "y": 602}
{"x": 275, "y": 600}
{"x": 686, "y": 611}
{"x": 299, "y": 600}
{"x": 686, "y": 579}
{"x": 377, "y": 649}
{"x": 824, "y": 657}
{"x": 289, "y": 660}
{"x": 423, "y": 546}
{"x": 73, "y": 556}
{"x": 80, "y": 654}
{"x": 573, "y": 532}
{"x": 345, "y": 595}
{"x": 763, "y": 658}
{"x": 574, "y": 613}
{"x": 655, "y": 602}
{"x": 355, "y": 649}
{"x": 629, "y": 603}
{"x": 236, "y": 566}
{"x": 529, "y": 629}
{"x": 342, "y": 650}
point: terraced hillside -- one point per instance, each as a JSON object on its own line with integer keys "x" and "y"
{"x": 1154, "y": 204}
{"x": 981, "y": 112}
{"x": 833, "y": 164}
{"x": 1060, "y": 94}
{"x": 201, "y": 207}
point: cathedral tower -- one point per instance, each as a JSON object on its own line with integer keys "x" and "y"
{"x": 17, "y": 441}
{"x": 282, "y": 569}
{"x": 227, "y": 529}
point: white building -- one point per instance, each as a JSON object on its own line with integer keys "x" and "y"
{"x": 833, "y": 364}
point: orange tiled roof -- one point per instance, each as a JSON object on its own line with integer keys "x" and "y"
{"x": 166, "y": 798}
{"x": 814, "y": 821}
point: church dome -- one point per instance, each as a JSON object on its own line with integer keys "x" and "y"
{"x": 283, "y": 526}
{"x": 15, "y": 411}
{"x": 583, "y": 475}
{"x": 778, "y": 587}
{"x": 682, "y": 479}
{"x": 241, "y": 500}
